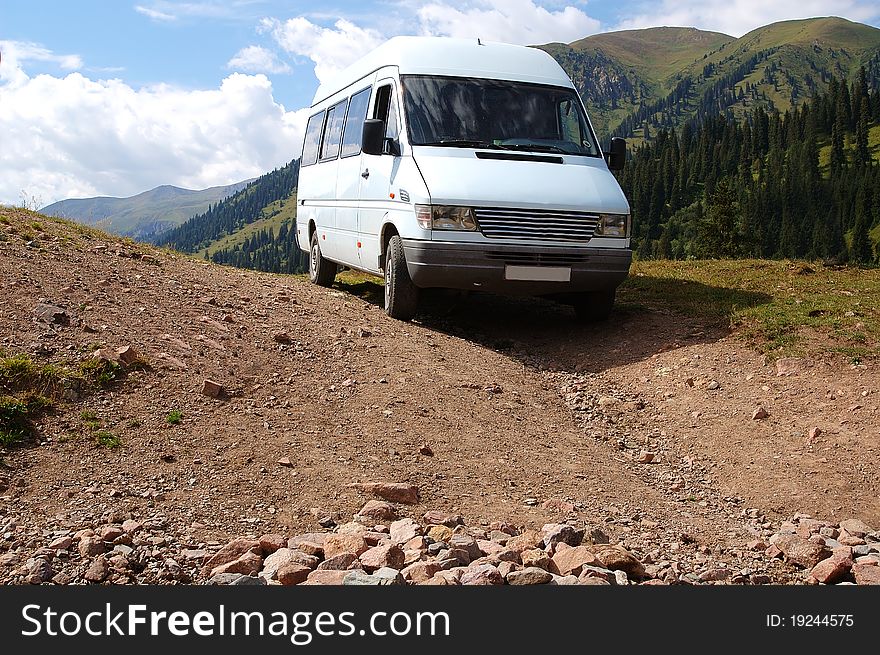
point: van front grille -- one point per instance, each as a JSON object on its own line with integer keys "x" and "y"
{"x": 536, "y": 258}
{"x": 536, "y": 224}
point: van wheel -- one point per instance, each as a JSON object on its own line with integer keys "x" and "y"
{"x": 401, "y": 295}
{"x": 594, "y": 306}
{"x": 321, "y": 271}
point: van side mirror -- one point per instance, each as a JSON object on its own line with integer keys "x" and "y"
{"x": 373, "y": 138}
{"x": 617, "y": 157}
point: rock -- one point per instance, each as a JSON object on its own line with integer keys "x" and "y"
{"x": 715, "y": 574}
{"x": 231, "y": 552}
{"x": 713, "y": 385}
{"x": 525, "y": 541}
{"x": 61, "y": 543}
{"x": 535, "y": 557}
{"x": 439, "y": 533}
{"x": 616, "y": 558}
{"x": 212, "y": 389}
{"x": 420, "y": 571}
{"x": 596, "y": 573}
{"x": 620, "y": 578}
{"x": 338, "y": 544}
{"x": 378, "y": 510}
{"x": 51, "y": 314}
{"x": 799, "y": 550}
{"x": 570, "y": 561}
{"x": 403, "y": 530}
{"x": 856, "y": 528}
{"x": 847, "y": 539}
{"x": 384, "y": 556}
{"x": 98, "y": 570}
{"x": 760, "y": 414}
{"x": 91, "y": 546}
{"x": 332, "y": 578}
{"x": 132, "y": 526}
{"x": 341, "y": 562}
{"x": 39, "y": 571}
{"x": 646, "y": 457}
{"x": 555, "y": 533}
{"x": 111, "y": 532}
{"x": 834, "y": 568}
{"x": 292, "y": 573}
{"x": 866, "y": 574}
{"x": 236, "y": 580}
{"x": 436, "y": 517}
{"x": 311, "y": 543}
{"x": 483, "y": 574}
{"x": 531, "y": 575}
{"x": 426, "y": 450}
{"x": 285, "y": 461}
{"x": 273, "y": 563}
{"x": 269, "y": 543}
{"x": 396, "y": 492}
{"x": 246, "y": 564}
{"x": 283, "y": 337}
{"x": 62, "y": 579}
{"x": 814, "y": 433}
{"x": 466, "y": 543}
{"x": 565, "y": 580}
{"x": 127, "y": 355}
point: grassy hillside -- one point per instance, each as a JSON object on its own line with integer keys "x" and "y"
{"x": 271, "y": 216}
{"x": 144, "y": 215}
{"x": 667, "y": 75}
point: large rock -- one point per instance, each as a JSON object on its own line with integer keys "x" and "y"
{"x": 396, "y": 492}
{"x": 570, "y": 561}
{"x": 292, "y": 573}
{"x": 866, "y": 574}
{"x": 799, "y": 550}
{"x": 98, "y": 570}
{"x": 834, "y": 568}
{"x": 384, "y": 556}
{"x": 403, "y": 530}
{"x": 247, "y": 564}
{"x": 381, "y": 578}
{"x": 556, "y": 533}
{"x": 483, "y": 574}
{"x": 529, "y": 576}
{"x": 436, "y": 517}
{"x": 466, "y": 543}
{"x": 420, "y": 571}
{"x": 91, "y": 546}
{"x": 333, "y": 578}
{"x": 284, "y": 556}
{"x": 232, "y": 551}
{"x": 378, "y": 510}
{"x": 525, "y": 541}
{"x": 535, "y": 557}
{"x": 270, "y": 543}
{"x": 856, "y": 528}
{"x": 341, "y": 562}
{"x": 338, "y": 544}
{"x": 616, "y": 558}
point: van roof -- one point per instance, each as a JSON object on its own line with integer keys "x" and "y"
{"x": 425, "y": 55}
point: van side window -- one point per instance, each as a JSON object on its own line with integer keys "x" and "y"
{"x": 354, "y": 123}
{"x": 386, "y": 111}
{"x": 312, "y": 140}
{"x": 333, "y": 131}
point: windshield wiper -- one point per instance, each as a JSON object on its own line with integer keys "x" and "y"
{"x": 535, "y": 147}
{"x": 463, "y": 143}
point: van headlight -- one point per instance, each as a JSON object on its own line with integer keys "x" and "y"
{"x": 613, "y": 225}
{"x": 444, "y": 217}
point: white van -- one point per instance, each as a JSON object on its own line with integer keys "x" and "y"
{"x": 452, "y": 163}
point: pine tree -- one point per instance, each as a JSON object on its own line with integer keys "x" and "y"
{"x": 863, "y": 155}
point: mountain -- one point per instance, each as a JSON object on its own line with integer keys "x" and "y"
{"x": 666, "y": 76}
{"x": 250, "y": 229}
{"x": 145, "y": 215}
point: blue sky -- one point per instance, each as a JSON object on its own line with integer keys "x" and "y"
{"x": 115, "y": 97}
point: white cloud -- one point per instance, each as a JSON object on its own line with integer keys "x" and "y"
{"x": 75, "y": 136}
{"x": 255, "y": 59}
{"x": 331, "y": 49}
{"x": 14, "y": 54}
{"x": 511, "y": 21}
{"x": 736, "y": 17}
{"x": 155, "y": 14}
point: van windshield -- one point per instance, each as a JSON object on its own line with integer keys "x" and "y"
{"x": 497, "y": 114}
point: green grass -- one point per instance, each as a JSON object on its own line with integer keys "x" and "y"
{"x": 107, "y": 439}
{"x": 780, "y": 307}
{"x": 272, "y": 215}
{"x": 175, "y": 416}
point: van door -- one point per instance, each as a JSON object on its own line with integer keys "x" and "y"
{"x": 348, "y": 177}
{"x": 377, "y": 176}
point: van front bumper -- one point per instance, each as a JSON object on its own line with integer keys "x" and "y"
{"x": 482, "y": 267}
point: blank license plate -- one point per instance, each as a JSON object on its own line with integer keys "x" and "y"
{"x": 538, "y": 273}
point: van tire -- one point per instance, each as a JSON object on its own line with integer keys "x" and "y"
{"x": 321, "y": 271}
{"x": 594, "y": 306}
{"x": 401, "y": 295}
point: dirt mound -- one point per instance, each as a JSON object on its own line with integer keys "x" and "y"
{"x": 498, "y": 410}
